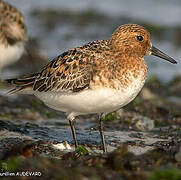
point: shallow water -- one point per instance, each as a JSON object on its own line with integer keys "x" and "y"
{"x": 66, "y": 35}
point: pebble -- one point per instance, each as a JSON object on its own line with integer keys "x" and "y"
{"x": 62, "y": 146}
{"x": 143, "y": 123}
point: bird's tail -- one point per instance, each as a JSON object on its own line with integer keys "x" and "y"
{"x": 22, "y": 85}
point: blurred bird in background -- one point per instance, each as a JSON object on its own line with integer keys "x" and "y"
{"x": 13, "y": 34}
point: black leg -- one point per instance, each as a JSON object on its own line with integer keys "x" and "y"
{"x": 101, "y": 130}
{"x": 72, "y": 122}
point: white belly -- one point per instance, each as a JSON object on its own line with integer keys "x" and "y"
{"x": 10, "y": 54}
{"x": 91, "y": 101}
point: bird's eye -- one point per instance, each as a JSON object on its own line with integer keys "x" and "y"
{"x": 139, "y": 38}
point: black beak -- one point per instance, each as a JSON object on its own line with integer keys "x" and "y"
{"x": 156, "y": 52}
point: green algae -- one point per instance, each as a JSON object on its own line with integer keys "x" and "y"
{"x": 81, "y": 151}
{"x": 158, "y": 123}
{"x": 10, "y": 165}
{"x": 166, "y": 174}
{"x": 138, "y": 101}
{"x": 110, "y": 117}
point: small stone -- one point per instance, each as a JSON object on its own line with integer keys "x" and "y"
{"x": 174, "y": 100}
{"x": 147, "y": 94}
{"x": 62, "y": 146}
{"x": 143, "y": 123}
{"x": 119, "y": 113}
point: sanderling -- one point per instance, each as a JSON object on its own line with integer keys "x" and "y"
{"x": 98, "y": 77}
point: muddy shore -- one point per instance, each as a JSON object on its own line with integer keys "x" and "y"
{"x": 144, "y": 138}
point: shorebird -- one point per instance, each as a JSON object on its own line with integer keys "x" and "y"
{"x": 13, "y": 34}
{"x": 99, "y": 77}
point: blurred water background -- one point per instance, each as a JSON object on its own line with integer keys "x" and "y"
{"x": 57, "y": 25}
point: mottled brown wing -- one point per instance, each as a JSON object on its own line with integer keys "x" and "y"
{"x": 69, "y": 72}
{"x": 12, "y": 26}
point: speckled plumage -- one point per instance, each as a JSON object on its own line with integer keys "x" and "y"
{"x": 98, "y": 63}
{"x": 13, "y": 34}
{"x": 98, "y": 77}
